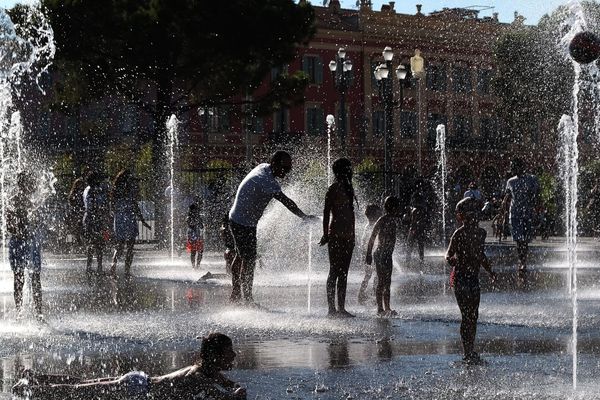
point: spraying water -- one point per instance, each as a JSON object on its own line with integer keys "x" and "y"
{"x": 440, "y": 149}
{"x": 172, "y": 137}
{"x": 330, "y": 127}
{"x": 568, "y": 157}
{"x": 309, "y": 266}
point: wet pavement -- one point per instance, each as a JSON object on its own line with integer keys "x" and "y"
{"x": 101, "y": 327}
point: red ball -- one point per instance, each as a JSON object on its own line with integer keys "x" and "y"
{"x": 585, "y": 47}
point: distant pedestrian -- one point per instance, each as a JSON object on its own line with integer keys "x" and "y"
{"x": 338, "y": 234}
{"x": 95, "y": 219}
{"x": 126, "y": 214}
{"x": 473, "y": 192}
{"x": 521, "y": 200}
{"x": 195, "y": 235}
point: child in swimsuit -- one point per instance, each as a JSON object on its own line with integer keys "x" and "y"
{"x": 466, "y": 255}
{"x": 385, "y": 232}
{"x": 372, "y": 212}
{"x": 195, "y": 235}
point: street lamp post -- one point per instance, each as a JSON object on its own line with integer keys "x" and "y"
{"x": 417, "y": 67}
{"x": 386, "y": 90}
{"x": 341, "y": 69}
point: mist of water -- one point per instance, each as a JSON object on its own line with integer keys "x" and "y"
{"x": 172, "y": 138}
{"x": 330, "y": 128}
{"x": 19, "y": 57}
{"x": 442, "y": 173}
{"x": 586, "y": 78}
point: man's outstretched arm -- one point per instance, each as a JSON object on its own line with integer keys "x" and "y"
{"x": 290, "y": 205}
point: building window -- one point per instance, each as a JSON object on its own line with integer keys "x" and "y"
{"x": 313, "y": 67}
{"x": 378, "y": 123}
{"x": 461, "y": 79}
{"x": 408, "y": 124}
{"x": 436, "y": 77}
{"x": 463, "y": 127}
{"x": 484, "y": 81}
{"x": 281, "y": 120}
{"x": 433, "y": 120}
{"x": 315, "y": 120}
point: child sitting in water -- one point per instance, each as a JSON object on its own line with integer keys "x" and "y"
{"x": 372, "y": 212}
{"x": 385, "y": 233}
{"x": 466, "y": 255}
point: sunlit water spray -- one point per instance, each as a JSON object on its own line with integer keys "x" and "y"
{"x": 19, "y": 57}
{"x": 441, "y": 174}
{"x": 172, "y": 137}
{"x": 586, "y": 78}
{"x": 330, "y": 128}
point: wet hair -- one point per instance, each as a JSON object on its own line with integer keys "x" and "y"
{"x": 279, "y": 156}
{"x": 213, "y": 345}
{"x": 372, "y": 211}
{"x": 342, "y": 170}
{"x": 391, "y": 204}
{"x": 469, "y": 209}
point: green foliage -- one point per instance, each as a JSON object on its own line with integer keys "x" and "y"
{"x": 532, "y": 80}
{"x": 189, "y": 51}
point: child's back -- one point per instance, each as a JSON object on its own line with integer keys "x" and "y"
{"x": 467, "y": 246}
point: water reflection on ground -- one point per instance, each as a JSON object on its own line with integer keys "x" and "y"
{"x": 101, "y": 327}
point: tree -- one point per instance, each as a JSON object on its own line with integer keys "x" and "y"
{"x": 188, "y": 52}
{"x": 172, "y": 56}
{"x": 534, "y": 76}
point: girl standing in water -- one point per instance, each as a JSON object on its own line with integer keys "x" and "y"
{"x": 338, "y": 234}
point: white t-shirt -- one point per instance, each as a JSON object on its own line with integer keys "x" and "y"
{"x": 254, "y": 193}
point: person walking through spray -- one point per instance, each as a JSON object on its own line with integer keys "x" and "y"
{"x": 338, "y": 234}
{"x": 23, "y": 247}
{"x": 252, "y": 197}
{"x": 521, "y": 200}
{"x": 126, "y": 213}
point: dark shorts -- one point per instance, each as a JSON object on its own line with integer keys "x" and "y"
{"x": 383, "y": 264}
{"x": 23, "y": 254}
{"x": 467, "y": 293}
{"x": 245, "y": 240}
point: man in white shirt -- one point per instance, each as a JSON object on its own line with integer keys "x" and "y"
{"x": 253, "y": 195}
{"x": 521, "y": 199}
